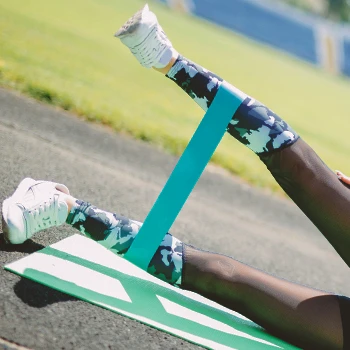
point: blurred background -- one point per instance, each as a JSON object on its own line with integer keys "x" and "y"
{"x": 295, "y": 59}
{"x": 293, "y": 55}
{"x": 313, "y": 30}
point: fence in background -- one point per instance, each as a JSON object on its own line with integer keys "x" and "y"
{"x": 306, "y": 36}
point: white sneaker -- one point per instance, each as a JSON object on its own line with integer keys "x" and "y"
{"x": 34, "y": 206}
{"x": 146, "y": 39}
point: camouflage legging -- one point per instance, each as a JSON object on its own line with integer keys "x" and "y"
{"x": 254, "y": 125}
{"x": 271, "y": 302}
{"x": 305, "y": 317}
{"x": 295, "y": 166}
{"x": 117, "y": 233}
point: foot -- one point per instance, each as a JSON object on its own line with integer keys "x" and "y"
{"x": 146, "y": 39}
{"x": 34, "y": 206}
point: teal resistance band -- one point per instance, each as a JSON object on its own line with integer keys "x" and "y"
{"x": 185, "y": 175}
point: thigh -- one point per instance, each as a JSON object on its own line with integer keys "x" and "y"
{"x": 316, "y": 190}
{"x": 344, "y": 306}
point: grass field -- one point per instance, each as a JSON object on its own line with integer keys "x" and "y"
{"x": 63, "y": 52}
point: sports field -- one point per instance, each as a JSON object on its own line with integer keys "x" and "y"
{"x": 63, "y": 52}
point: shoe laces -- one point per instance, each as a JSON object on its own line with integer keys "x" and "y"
{"x": 149, "y": 51}
{"x": 43, "y": 216}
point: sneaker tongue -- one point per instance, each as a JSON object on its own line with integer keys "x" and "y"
{"x": 62, "y": 188}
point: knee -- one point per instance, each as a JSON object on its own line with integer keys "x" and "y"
{"x": 208, "y": 272}
{"x": 295, "y": 165}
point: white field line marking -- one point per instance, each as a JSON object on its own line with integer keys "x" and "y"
{"x": 188, "y": 314}
{"x": 74, "y": 273}
{"x": 87, "y": 249}
{"x": 217, "y": 306}
{"x": 188, "y": 336}
{"x": 90, "y": 250}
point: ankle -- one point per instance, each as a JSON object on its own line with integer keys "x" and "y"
{"x": 70, "y": 201}
{"x": 167, "y": 68}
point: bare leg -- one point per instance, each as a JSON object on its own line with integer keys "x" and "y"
{"x": 316, "y": 190}
{"x": 295, "y": 166}
{"x": 292, "y": 162}
{"x": 303, "y": 316}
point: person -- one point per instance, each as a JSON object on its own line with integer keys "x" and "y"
{"x": 305, "y": 317}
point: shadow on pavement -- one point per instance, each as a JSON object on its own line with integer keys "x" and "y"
{"x": 26, "y": 247}
{"x": 32, "y": 293}
{"x": 37, "y": 295}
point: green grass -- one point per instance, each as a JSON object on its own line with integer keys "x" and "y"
{"x": 63, "y": 53}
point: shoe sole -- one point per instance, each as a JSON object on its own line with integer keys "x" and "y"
{"x": 131, "y": 25}
{"x": 134, "y": 22}
{"x": 20, "y": 191}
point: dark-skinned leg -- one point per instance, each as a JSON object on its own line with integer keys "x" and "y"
{"x": 317, "y": 191}
{"x": 292, "y": 162}
{"x": 312, "y": 186}
{"x": 303, "y": 316}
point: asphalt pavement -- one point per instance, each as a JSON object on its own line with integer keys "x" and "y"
{"x": 123, "y": 175}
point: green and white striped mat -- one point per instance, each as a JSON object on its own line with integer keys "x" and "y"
{"x": 83, "y": 268}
